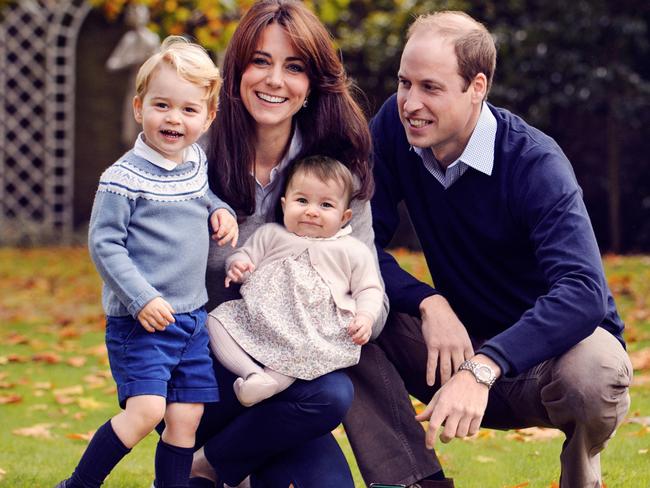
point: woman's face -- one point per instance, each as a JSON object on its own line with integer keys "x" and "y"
{"x": 275, "y": 84}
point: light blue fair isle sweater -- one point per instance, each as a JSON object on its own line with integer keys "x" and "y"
{"x": 149, "y": 232}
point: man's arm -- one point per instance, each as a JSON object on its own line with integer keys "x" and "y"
{"x": 547, "y": 202}
{"x": 404, "y": 291}
{"x": 447, "y": 340}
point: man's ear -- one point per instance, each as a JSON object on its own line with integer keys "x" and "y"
{"x": 137, "y": 109}
{"x": 479, "y": 85}
{"x": 347, "y": 215}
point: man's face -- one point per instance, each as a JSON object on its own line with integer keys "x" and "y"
{"x": 434, "y": 106}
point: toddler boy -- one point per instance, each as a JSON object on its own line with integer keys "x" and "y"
{"x": 149, "y": 238}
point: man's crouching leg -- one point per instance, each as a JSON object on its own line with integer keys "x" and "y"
{"x": 586, "y": 396}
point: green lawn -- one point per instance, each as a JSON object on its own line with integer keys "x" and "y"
{"x": 55, "y": 387}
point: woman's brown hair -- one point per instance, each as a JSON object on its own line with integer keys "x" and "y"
{"x": 332, "y": 124}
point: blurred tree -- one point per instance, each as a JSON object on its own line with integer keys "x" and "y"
{"x": 565, "y": 66}
{"x": 211, "y": 22}
{"x": 370, "y": 35}
{"x": 578, "y": 71}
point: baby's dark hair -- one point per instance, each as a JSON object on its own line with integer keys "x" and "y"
{"x": 325, "y": 169}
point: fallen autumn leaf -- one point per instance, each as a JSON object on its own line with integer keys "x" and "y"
{"x": 40, "y": 431}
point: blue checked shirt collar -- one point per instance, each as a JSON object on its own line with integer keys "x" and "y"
{"x": 478, "y": 154}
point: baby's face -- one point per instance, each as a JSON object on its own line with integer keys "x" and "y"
{"x": 314, "y": 208}
{"x": 173, "y": 112}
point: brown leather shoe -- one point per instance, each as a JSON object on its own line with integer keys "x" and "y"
{"x": 446, "y": 483}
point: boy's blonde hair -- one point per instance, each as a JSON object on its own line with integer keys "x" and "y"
{"x": 325, "y": 169}
{"x": 192, "y": 63}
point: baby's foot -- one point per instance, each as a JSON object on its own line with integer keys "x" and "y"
{"x": 255, "y": 388}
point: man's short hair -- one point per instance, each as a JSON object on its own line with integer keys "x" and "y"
{"x": 192, "y": 63}
{"x": 474, "y": 46}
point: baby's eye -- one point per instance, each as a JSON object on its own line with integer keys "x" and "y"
{"x": 301, "y": 200}
{"x": 161, "y": 105}
{"x": 327, "y": 205}
{"x": 191, "y": 110}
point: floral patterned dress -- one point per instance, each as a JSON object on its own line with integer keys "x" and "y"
{"x": 288, "y": 321}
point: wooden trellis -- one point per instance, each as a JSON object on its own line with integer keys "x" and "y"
{"x": 38, "y": 41}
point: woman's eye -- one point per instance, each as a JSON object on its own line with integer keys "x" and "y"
{"x": 296, "y": 68}
{"x": 259, "y": 61}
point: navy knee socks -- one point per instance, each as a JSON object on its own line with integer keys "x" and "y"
{"x": 101, "y": 456}
{"x": 173, "y": 465}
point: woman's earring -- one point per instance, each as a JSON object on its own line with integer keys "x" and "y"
{"x": 304, "y": 104}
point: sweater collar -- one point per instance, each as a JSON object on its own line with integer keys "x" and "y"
{"x": 347, "y": 230}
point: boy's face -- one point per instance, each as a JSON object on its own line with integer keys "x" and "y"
{"x": 314, "y": 208}
{"x": 173, "y": 112}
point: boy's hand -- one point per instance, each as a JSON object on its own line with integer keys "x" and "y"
{"x": 237, "y": 271}
{"x": 156, "y": 315}
{"x": 360, "y": 328}
{"x": 225, "y": 228}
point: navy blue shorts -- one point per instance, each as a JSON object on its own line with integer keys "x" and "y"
{"x": 174, "y": 363}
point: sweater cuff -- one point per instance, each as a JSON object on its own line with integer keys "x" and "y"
{"x": 225, "y": 206}
{"x": 140, "y": 301}
{"x": 411, "y": 304}
{"x": 495, "y": 355}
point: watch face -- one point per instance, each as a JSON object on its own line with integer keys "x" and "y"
{"x": 483, "y": 373}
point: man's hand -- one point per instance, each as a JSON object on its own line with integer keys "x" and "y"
{"x": 156, "y": 315}
{"x": 237, "y": 272}
{"x": 459, "y": 404}
{"x": 360, "y": 329}
{"x": 225, "y": 227}
{"x": 447, "y": 341}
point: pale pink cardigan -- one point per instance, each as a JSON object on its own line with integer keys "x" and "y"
{"x": 344, "y": 263}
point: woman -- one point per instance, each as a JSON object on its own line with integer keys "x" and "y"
{"x": 285, "y": 96}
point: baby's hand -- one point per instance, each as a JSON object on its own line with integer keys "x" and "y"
{"x": 225, "y": 227}
{"x": 156, "y": 315}
{"x": 360, "y": 328}
{"x": 237, "y": 272}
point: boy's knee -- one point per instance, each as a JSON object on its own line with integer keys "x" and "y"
{"x": 146, "y": 414}
{"x": 185, "y": 417}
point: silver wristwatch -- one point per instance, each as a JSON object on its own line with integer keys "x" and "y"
{"x": 482, "y": 372}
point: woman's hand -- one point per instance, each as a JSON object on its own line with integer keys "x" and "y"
{"x": 225, "y": 227}
{"x": 237, "y": 272}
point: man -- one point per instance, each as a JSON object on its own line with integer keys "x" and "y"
{"x": 521, "y": 328}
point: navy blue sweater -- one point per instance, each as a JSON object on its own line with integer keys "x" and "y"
{"x": 514, "y": 253}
